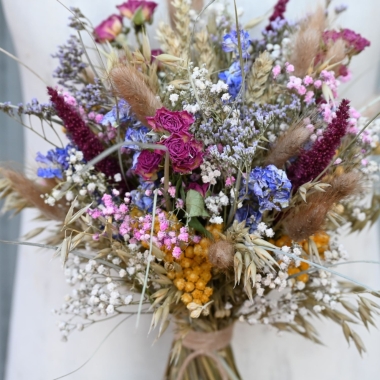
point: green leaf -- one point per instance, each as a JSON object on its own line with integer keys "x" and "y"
{"x": 195, "y": 204}
{"x": 198, "y": 226}
{"x": 178, "y": 186}
{"x": 138, "y": 17}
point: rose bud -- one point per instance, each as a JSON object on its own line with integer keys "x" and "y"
{"x": 108, "y": 29}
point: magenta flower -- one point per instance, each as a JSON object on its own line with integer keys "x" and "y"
{"x": 278, "y": 12}
{"x": 82, "y": 136}
{"x": 202, "y": 189}
{"x": 354, "y": 41}
{"x": 171, "y": 121}
{"x": 108, "y": 29}
{"x": 185, "y": 152}
{"x": 147, "y": 164}
{"x": 140, "y": 11}
{"x": 311, "y": 163}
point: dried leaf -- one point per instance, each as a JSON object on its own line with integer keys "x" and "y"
{"x": 158, "y": 268}
{"x": 238, "y": 267}
{"x": 33, "y": 233}
{"x": 358, "y": 342}
{"x": 64, "y": 251}
{"x": 195, "y": 205}
{"x": 79, "y": 213}
{"x": 346, "y": 331}
{"x": 103, "y": 253}
{"x": 168, "y": 58}
{"x": 70, "y": 212}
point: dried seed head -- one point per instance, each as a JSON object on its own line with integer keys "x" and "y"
{"x": 221, "y": 254}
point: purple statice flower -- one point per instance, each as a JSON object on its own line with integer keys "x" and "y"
{"x": 92, "y": 96}
{"x": 312, "y": 162}
{"x": 55, "y": 160}
{"x": 269, "y": 186}
{"x": 252, "y": 218}
{"x": 118, "y": 115}
{"x": 278, "y": 12}
{"x": 70, "y": 62}
{"x": 231, "y": 44}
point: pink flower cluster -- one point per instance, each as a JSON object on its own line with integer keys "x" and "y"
{"x": 138, "y": 229}
{"x": 354, "y": 41}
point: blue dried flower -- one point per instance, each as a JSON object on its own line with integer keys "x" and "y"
{"x": 138, "y": 134}
{"x": 230, "y": 42}
{"x": 49, "y": 173}
{"x": 140, "y": 198}
{"x": 233, "y": 78}
{"x": 269, "y": 186}
{"x": 120, "y": 114}
{"x": 252, "y": 218}
{"x": 55, "y": 160}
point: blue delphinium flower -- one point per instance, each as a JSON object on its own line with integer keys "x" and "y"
{"x": 231, "y": 44}
{"x": 49, "y": 173}
{"x": 142, "y": 197}
{"x": 138, "y": 134}
{"x": 233, "y": 78}
{"x": 269, "y": 186}
{"x": 252, "y": 218}
{"x": 55, "y": 160}
{"x": 120, "y": 114}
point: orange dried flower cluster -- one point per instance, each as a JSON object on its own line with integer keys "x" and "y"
{"x": 321, "y": 240}
{"x": 196, "y": 269}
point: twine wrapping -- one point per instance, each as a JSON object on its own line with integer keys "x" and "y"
{"x": 206, "y": 344}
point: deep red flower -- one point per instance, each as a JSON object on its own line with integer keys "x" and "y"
{"x": 147, "y": 164}
{"x": 185, "y": 152}
{"x": 171, "y": 121}
{"x": 312, "y": 162}
{"x": 83, "y": 137}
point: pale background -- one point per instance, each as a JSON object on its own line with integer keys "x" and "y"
{"x": 35, "y": 352}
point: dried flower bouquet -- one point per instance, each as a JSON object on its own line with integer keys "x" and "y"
{"x": 208, "y": 182}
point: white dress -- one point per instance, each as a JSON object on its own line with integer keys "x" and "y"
{"x": 35, "y": 349}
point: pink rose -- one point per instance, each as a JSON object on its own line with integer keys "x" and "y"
{"x": 147, "y": 164}
{"x": 108, "y": 29}
{"x": 172, "y": 121}
{"x": 139, "y": 11}
{"x": 185, "y": 153}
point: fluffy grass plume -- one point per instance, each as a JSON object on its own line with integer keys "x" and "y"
{"x": 307, "y": 219}
{"x": 129, "y": 84}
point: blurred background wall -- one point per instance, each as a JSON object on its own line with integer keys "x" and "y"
{"x": 11, "y": 149}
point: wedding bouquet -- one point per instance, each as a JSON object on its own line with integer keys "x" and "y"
{"x": 207, "y": 182}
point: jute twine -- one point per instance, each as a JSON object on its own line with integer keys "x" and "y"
{"x": 206, "y": 344}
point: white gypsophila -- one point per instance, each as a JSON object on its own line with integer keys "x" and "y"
{"x": 216, "y": 219}
{"x": 174, "y": 99}
{"x": 209, "y": 173}
{"x": 216, "y": 202}
{"x": 203, "y": 94}
{"x": 98, "y": 291}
